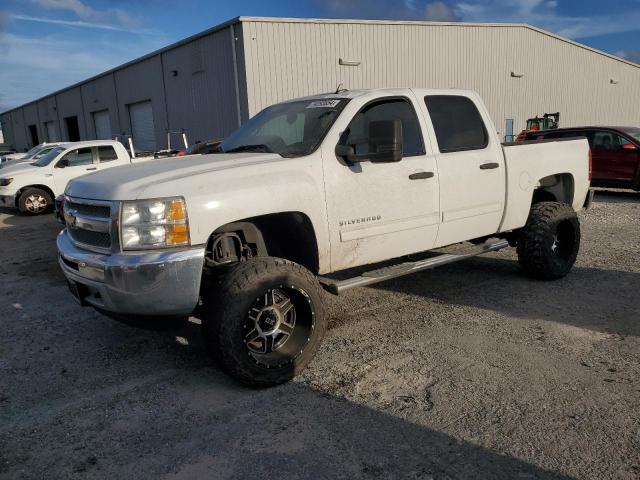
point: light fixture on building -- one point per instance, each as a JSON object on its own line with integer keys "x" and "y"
{"x": 614, "y": 81}
{"x": 517, "y": 74}
{"x": 174, "y": 73}
{"x": 348, "y": 63}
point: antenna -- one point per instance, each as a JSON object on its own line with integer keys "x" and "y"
{"x": 340, "y": 89}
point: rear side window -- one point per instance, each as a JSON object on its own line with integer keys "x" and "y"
{"x": 107, "y": 153}
{"x": 457, "y": 123}
{"x": 394, "y": 109}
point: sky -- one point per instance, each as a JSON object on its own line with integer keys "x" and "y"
{"x": 46, "y": 45}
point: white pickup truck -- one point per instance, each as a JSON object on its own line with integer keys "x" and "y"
{"x": 246, "y": 238}
{"x": 31, "y": 186}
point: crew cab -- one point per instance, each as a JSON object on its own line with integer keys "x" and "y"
{"x": 31, "y": 186}
{"x": 615, "y": 152}
{"x": 307, "y": 195}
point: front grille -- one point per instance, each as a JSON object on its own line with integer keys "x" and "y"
{"x": 89, "y": 223}
{"x": 87, "y": 237}
{"x": 93, "y": 210}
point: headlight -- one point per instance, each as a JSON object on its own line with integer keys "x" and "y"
{"x": 157, "y": 223}
{"x": 5, "y": 181}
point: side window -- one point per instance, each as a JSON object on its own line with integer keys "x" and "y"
{"x": 457, "y": 123}
{"x": 82, "y": 156}
{"x": 107, "y": 153}
{"x": 396, "y": 109}
{"x": 608, "y": 141}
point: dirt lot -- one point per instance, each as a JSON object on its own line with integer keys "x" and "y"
{"x": 469, "y": 371}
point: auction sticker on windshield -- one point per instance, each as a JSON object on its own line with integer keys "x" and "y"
{"x": 323, "y": 104}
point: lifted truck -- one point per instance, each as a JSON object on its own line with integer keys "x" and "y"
{"x": 246, "y": 238}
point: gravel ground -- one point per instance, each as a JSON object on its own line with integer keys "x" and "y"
{"x": 468, "y": 371}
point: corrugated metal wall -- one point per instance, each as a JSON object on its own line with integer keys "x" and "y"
{"x": 99, "y": 95}
{"x": 191, "y": 86}
{"x": 200, "y": 86}
{"x": 205, "y": 83}
{"x": 288, "y": 59}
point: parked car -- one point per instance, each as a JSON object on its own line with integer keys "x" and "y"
{"x": 5, "y": 152}
{"x": 615, "y": 152}
{"x": 32, "y": 186}
{"x": 33, "y": 154}
{"x": 307, "y": 188}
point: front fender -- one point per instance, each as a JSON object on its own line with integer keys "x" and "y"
{"x": 220, "y": 198}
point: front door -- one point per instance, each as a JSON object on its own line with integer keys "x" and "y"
{"x": 73, "y": 164}
{"x": 471, "y": 168}
{"x": 380, "y": 210}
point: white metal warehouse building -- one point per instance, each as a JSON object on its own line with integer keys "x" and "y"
{"x": 211, "y": 82}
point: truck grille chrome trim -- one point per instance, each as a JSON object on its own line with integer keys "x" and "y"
{"x": 92, "y": 224}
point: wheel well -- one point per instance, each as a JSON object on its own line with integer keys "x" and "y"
{"x": 288, "y": 235}
{"x": 41, "y": 187}
{"x": 555, "y": 188}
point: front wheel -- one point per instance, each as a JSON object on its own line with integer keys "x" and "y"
{"x": 265, "y": 320}
{"x": 34, "y": 201}
{"x": 548, "y": 244}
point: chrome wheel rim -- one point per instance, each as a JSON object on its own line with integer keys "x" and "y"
{"x": 35, "y": 203}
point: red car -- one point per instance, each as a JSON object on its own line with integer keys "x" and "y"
{"x": 615, "y": 152}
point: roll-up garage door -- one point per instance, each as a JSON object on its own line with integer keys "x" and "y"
{"x": 51, "y": 131}
{"x": 142, "y": 129}
{"x": 103, "y": 124}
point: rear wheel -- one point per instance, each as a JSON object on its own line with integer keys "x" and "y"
{"x": 548, "y": 244}
{"x": 265, "y": 321}
{"x": 34, "y": 201}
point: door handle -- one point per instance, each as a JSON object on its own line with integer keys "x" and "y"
{"x": 420, "y": 175}
{"x": 489, "y": 166}
{"x": 92, "y": 168}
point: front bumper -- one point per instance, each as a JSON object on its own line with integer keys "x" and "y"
{"x": 8, "y": 201}
{"x": 134, "y": 283}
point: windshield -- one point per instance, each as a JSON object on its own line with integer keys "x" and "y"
{"x": 633, "y": 132}
{"x": 31, "y": 152}
{"x": 46, "y": 159}
{"x": 291, "y": 129}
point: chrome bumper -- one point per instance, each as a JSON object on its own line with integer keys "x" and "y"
{"x": 135, "y": 283}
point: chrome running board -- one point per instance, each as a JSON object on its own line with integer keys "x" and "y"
{"x": 405, "y": 268}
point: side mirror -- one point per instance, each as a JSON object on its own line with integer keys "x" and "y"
{"x": 629, "y": 146}
{"x": 385, "y": 144}
{"x": 63, "y": 163}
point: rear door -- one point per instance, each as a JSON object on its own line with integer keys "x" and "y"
{"x": 107, "y": 157}
{"x": 470, "y": 167}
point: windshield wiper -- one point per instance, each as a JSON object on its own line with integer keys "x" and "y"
{"x": 259, "y": 147}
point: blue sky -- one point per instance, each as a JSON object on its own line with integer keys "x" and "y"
{"x": 49, "y": 44}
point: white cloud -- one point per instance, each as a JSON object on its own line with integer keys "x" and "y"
{"x": 33, "y": 67}
{"x": 109, "y": 16}
{"x": 540, "y": 13}
{"x": 439, "y": 12}
{"x": 75, "y": 6}
{"x": 74, "y": 23}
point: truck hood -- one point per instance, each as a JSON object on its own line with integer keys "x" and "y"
{"x": 16, "y": 167}
{"x": 129, "y": 182}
